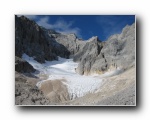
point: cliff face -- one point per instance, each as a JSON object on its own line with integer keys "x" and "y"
{"x": 32, "y": 40}
{"x": 87, "y": 56}
{"x": 119, "y": 50}
{"x": 93, "y": 55}
{"x": 70, "y": 41}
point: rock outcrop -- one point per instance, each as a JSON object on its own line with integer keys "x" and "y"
{"x": 27, "y": 93}
{"x": 23, "y": 66}
{"x": 88, "y": 54}
{"x": 70, "y": 41}
{"x": 119, "y": 50}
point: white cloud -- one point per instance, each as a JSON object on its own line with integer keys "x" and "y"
{"x": 60, "y": 26}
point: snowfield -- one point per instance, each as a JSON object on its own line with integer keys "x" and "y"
{"x": 78, "y": 85}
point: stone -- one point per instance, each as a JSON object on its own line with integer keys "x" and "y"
{"x": 23, "y": 66}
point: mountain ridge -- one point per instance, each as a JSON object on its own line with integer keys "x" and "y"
{"x": 93, "y": 55}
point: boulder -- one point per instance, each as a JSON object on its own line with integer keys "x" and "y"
{"x": 23, "y": 66}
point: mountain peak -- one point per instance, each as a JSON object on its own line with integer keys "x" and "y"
{"x": 94, "y": 38}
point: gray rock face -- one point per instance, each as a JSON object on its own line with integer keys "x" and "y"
{"x": 84, "y": 52}
{"x": 34, "y": 41}
{"x": 95, "y": 56}
{"x": 117, "y": 52}
{"x": 87, "y": 55}
{"x": 71, "y": 42}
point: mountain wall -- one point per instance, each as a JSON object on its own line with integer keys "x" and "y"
{"x": 34, "y": 41}
{"x": 93, "y": 55}
{"x": 118, "y": 52}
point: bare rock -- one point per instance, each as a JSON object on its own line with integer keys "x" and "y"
{"x": 26, "y": 94}
{"x": 35, "y": 41}
{"x": 23, "y": 66}
{"x": 117, "y": 52}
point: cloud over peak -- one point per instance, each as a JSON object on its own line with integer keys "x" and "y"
{"x": 60, "y": 25}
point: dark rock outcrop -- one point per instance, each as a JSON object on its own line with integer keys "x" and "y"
{"x": 23, "y": 66}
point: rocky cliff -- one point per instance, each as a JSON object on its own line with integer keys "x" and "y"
{"x": 95, "y": 56}
{"x": 34, "y": 41}
{"x": 119, "y": 49}
{"x": 118, "y": 52}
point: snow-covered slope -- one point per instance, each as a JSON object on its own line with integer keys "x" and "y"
{"x": 78, "y": 85}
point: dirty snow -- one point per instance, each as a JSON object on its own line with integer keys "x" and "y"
{"x": 78, "y": 85}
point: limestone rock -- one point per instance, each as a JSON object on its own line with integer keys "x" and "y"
{"x": 117, "y": 52}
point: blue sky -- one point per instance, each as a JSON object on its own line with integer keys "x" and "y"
{"x": 85, "y": 26}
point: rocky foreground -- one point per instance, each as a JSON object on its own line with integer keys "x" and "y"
{"x": 93, "y": 57}
{"x": 115, "y": 90}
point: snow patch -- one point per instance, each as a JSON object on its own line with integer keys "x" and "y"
{"x": 78, "y": 85}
